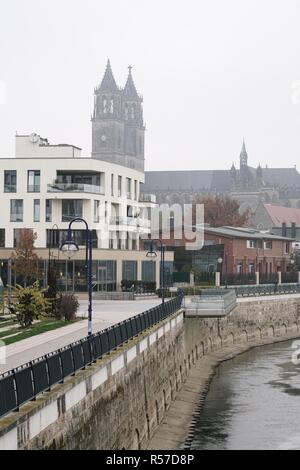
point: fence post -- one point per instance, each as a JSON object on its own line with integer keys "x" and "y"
{"x": 257, "y": 278}
{"x": 218, "y": 279}
{"x": 279, "y": 277}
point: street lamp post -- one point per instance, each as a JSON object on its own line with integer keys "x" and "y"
{"x": 152, "y": 254}
{"x": 70, "y": 248}
{"x": 219, "y": 268}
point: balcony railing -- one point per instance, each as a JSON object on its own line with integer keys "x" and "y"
{"x": 10, "y": 188}
{"x": 130, "y": 221}
{"x": 16, "y": 217}
{"x": 148, "y": 198}
{"x": 74, "y": 188}
{"x": 33, "y": 188}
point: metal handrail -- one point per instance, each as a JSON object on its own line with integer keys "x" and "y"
{"x": 24, "y": 383}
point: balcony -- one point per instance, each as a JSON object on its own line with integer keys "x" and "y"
{"x": 148, "y": 198}
{"x": 130, "y": 221}
{"x": 75, "y": 188}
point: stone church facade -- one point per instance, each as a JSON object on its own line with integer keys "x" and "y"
{"x": 117, "y": 123}
{"x": 250, "y": 186}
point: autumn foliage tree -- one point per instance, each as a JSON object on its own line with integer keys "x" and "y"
{"x": 220, "y": 211}
{"x": 25, "y": 262}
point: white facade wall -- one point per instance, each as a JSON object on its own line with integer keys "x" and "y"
{"x": 48, "y": 168}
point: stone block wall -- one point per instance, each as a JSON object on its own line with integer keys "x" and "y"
{"x": 119, "y": 402}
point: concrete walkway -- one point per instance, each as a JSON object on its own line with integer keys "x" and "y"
{"x": 105, "y": 313}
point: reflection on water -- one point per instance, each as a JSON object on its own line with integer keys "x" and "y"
{"x": 253, "y": 403}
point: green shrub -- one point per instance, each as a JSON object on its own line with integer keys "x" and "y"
{"x": 28, "y": 304}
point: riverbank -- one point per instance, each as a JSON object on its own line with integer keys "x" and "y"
{"x": 176, "y": 429}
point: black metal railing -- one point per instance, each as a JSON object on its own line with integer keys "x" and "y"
{"x": 268, "y": 278}
{"x": 289, "y": 277}
{"x": 238, "y": 279}
{"x": 24, "y": 383}
{"x": 266, "y": 289}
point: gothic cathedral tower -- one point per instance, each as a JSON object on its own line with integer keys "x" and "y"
{"x": 117, "y": 123}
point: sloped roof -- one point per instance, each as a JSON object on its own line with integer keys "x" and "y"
{"x": 243, "y": 232}
{"x": 281, "y": 177}
{"x": 108, "y": 83}
{"x": 130, "y": 92}
{"x": 217, "y": 180}
{"x": 280, "y": 215}
{"x": 196, "y": 180}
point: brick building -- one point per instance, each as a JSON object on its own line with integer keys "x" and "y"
{"x": 244, "y": 250}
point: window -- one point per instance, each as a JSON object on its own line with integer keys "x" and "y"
{"x": 33, "y": 181}
{"x": 129, "y": 270}
{"x": 128, "y": 188}
{"x": 71, "y": 209}
{"x": 286, "y": 246}
{"x": 119, "y": 186}
{"x": 96, "y": 212}
{"x": 107, "y": 275}
{"x": 112, "y": 185}
{"x": 148, "y": 270}
{"x": 268, "y": 245}
{"x": 104, "y": 105}
{"x": 135, "y": 190}
{"x": 16, "y": 210}
{"x": 251, "y": 268}
{"x": 10, "y": 181}
{"x": 254, "y": 243}
{"x": 48, "y": 210}
{"x": 239, "y": 268}
{"x": 251, "y": 243}
{"x": 36, "y": 210}
{"x": 2, "y": 237}
{"x": 55, "y": 237}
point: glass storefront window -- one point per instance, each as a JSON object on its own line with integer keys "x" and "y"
{"x": 148, "y": 271}
{"x": 129, "y": 270}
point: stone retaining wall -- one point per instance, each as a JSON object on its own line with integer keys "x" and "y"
{"x": 120, "y": 402}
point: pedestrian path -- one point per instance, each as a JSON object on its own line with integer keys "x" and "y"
{"x": 105, "y": 313}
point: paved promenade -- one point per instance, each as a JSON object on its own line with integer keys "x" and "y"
{"x": 106, "y": 313}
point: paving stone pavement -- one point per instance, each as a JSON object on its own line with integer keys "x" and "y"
{"x": 105, "y": 313}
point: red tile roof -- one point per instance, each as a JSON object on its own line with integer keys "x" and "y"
{"x": 280, "y": 215}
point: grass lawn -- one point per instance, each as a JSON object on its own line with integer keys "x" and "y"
{"x": 45, "y": 325}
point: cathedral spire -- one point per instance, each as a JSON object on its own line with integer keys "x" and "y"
{"x": 108, "y": 83}
{"x": 244, "y": 151}
{"x": 243, "y": 155}
{"x": 130, "y": 92}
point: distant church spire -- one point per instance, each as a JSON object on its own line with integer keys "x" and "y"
{"x": 243, "y": 155}
{"x": 108, "y": 83}
{"x": 130, "y": 92}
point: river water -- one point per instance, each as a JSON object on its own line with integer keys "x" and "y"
{"x": 253, "y": 402}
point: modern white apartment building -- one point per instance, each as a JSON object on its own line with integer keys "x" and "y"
{"x": 43, "y": 187}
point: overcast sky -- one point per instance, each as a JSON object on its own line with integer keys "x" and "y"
{"x": 210, "y": 72}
